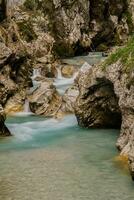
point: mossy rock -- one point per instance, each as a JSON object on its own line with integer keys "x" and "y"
{"x": 125, "y": 55}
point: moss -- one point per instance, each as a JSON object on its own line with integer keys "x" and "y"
{"x": 27, "y": 31}
{"x": 124, "y": 54}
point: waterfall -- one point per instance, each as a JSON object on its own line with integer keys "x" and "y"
{"x": 36, "y": 73}
{"x": 59, "y": 76}
{"x": 26, "y": 106}
{"x": 63, "y": 83}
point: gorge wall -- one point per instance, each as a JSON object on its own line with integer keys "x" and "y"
{"x": 83, "y": 25}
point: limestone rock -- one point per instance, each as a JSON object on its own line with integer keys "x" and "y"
{"x": 67, "y": 71}
{"x": 49, "y": 71}
{"x": 15, "y": 103}
{"x": 5, "y": 54}
{"x": 69, "y": 99}
{"x": 45, "y": 100}
{"x": 3, "y": 129}
{"x": 97, "y": 103}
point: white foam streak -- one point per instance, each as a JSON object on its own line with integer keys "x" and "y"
{"x": 63, "y": 83}
{"x": 26, "y": 131}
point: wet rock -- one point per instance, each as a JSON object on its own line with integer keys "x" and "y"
{"x": 15, "y": 103}
{"x": 7, "y": 89}
{"x": 69, "y": 99}
{"x": 45, "y": 100}
{"x": 49, "y": 71}
{"x": 67, "y": 71}
{"x": 3, "y": 129}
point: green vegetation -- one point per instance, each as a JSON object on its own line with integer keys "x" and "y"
{"x": 124, "y": 54}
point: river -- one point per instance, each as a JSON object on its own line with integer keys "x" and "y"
{"x": 51, "y": 159}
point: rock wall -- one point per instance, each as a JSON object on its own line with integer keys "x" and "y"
{"x": 107, "y": 99}
{"x": 82, "y": 25}
{"x": 97, "y": 105}
{"x": 79, "y": 25}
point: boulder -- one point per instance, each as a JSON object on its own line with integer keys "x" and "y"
{"x": 69, "y": 99}
{"x": 15, "y": 103}
{"x": 45, "y": 100}
{"x": 67, "y": 71}
{"x": 97, "y": 105}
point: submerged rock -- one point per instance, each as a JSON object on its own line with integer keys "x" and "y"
{"x": 68, "y": 71}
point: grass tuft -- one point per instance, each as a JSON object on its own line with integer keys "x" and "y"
{"x": 124, "y": 54}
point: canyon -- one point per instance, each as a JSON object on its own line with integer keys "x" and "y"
{"x": 41, "y": 35}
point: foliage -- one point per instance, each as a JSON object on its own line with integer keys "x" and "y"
{"x": 124, "y": 54}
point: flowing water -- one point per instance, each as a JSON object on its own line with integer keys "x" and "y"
{"x": 50, "y": 159}
{"x": 63, "y": 83}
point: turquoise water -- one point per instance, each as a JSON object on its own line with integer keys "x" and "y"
{"x": 92, "y": 58}
{"x": 47, "y": 159}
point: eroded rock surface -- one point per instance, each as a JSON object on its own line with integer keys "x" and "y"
{"x": 69, "y": 99}
{"x": 82, "y": 25}
{"x": 97, "y": 104}
{"x": 45, "y": 100}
